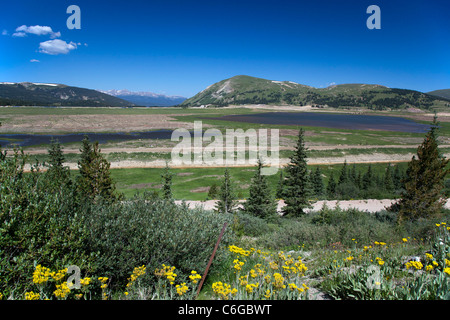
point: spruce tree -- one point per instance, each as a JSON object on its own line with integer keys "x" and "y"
{"x": 388, "y": 179}
{"x": 368, "y": 178}
{"x": 343, "y": 177}
{"x": 227, "y": 199}
{"x": 297, "y": 186}
{"x": 331, "y": 187}
{"x": 95, "y": 179}
{"x": 59, "y": 174}
{"x": 261, "y": 202}
{"x": 317, "y": 182}
{"x": 424, "y": 182}
{"x": 167, "y": 183}
{"x": 280, "y": 186}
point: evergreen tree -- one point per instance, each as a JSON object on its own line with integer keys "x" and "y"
{"x": 397, "y": 178}
{"x": 368, "y": 178}
{"x": 388, "y": 179}
{"x": 424, "y": 182}
{"x": 227, "y": 199}
{"x": 297, "y": 186}
{"x": 343, "y": 177}
{"x": 95, "y": 179}
{"x": 331, "y": 187}
{"x": 280, "y": 186}
{"x": 317, "y": 182}
{"x": 56, "y": 169}
{"x": 213, "y": 191}
{"x": 260, "y": 202}
{"x": 167, "y": 183}
{"x": 353, "y": 175}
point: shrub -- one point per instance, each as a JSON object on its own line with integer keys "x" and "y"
{"x": 150, "y": 231}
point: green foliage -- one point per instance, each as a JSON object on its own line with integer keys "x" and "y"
{"x": 297, "y": 185}
{"x": 261, "y": 202}
{"x": 167, "y": 184}
{"x": 424, "y": 182}
{"x": 227, "y": 199}
{"x": 39, "y": 222}
{"x": 95, "y": 180}
{"x": 151, "y": 231}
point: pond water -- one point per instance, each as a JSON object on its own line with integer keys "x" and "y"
{"x": 26, "y": 140}
{"x": 330, "y": 120}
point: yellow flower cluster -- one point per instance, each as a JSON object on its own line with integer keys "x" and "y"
{"x": 103, "y": 286}
{"x": 62, "y": 290}
{"x": 414, "y": 264}
{"x": 194, "y": 277}
{"x": 249, "y": 287}
{"x": 223, "y": 290}
{"x": 85, "y": 281}
{"x": 43, "y": 274}
{"x": 32, "y": 296}
{"x": 137, "y": 272}
{"x": 278, "y": 281}
{"x": 380, "y": 261}
{"x": 168, "y": 272}
{"x": 301, "y": 289}
{"x": 238, "y": 250}
{"x": 447, "y": 271}
{"x": 181, "y": 288}
{"x": 238, "y": 264}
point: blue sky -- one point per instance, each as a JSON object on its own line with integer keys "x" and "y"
{"x": 181, "y": 47}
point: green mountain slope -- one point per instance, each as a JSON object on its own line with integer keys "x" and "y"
{"x": 444, "y": 93}
{"x": 241, "y": 90}
{"x": 46, "y": 94}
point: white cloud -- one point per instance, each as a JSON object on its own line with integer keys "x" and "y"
{"x": 56, "y": 46}
{"x": 4, "y": 32}
{"x": 34, "y": 60}
{"x": 23, "y": 30}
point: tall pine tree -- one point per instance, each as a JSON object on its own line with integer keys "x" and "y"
{"x": 227, "y": 199}
{"x": 424, "y": 182}
{"x": 317, "y": 182}
{"x": 95, "y": 179}
{"x": 167, "y": 183}
{"x": 297, "y": 186}
{"x": 261, "y": 202}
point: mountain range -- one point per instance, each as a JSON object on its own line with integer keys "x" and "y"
{"x": 238, "y": 90}
{"x": 244, "y": 89}
{"x": 147, "y": 99}
{"x": 51, "y": 94}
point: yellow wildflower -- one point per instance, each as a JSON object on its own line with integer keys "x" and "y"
{"x": 181, "y": 288}
{"x": 32, "y": 296}
{"x": 62, "y": 290}
{"x": 194, "y": 277}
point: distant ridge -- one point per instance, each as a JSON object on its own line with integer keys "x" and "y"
{"x": 147, "y": 99}
{"x": 242, "y": 89}
{"x": 52, "y": 94}
{"x": 444, "y": 93}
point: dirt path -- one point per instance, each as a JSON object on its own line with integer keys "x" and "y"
{"x": 369, "y": 205}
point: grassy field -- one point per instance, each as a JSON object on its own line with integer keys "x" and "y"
{"x": 193, "y": 183}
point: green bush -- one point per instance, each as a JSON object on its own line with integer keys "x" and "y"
{"x": 38, "y": 224}
{"x": 150, "y": 231}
